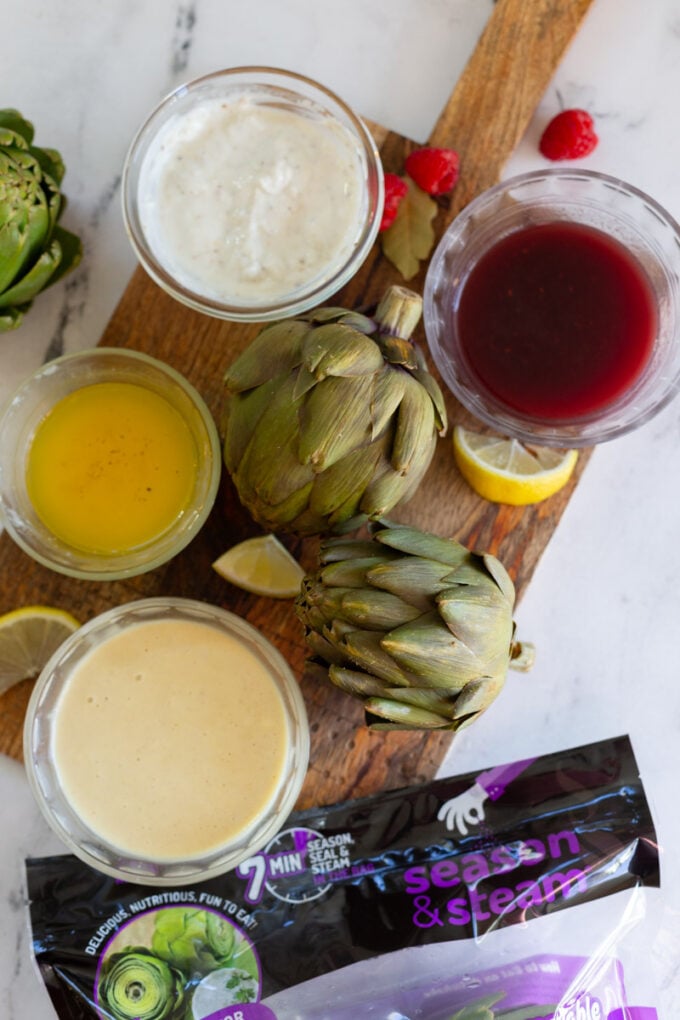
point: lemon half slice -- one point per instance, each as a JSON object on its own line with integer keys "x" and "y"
{"x": 506, "y": 471}
{"x": 28, "y": 637}
{"x": 261, "y": 565}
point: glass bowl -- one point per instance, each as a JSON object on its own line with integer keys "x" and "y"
{"x": 635, "y": 224}
{"x": 27, "y": 409}
{"x": 205, "y": 775}
{"x": 252, "y": 193}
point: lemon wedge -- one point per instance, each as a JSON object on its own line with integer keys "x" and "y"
{"x": 506, "y": 471}
{"x": 261, "y": 565}
{"x": 28, "y": 637}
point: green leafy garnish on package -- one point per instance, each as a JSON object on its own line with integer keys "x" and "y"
{"x": 35, "y": 251}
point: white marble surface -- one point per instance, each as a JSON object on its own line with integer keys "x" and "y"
{"x": 603, "y": 607}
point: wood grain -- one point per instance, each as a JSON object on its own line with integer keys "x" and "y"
{"x": 484, "y": 120}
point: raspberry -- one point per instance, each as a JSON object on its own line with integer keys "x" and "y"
{"x": 395, "y": 189}
{"x": 433, "y": 170}
{"x": 569, "y": 135}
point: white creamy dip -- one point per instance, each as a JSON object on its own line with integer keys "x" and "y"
{"x": 170, "y": 739}
{"x": 245, "y": 202}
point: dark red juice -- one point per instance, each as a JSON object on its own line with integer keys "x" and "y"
{"x": 557, "y": 320}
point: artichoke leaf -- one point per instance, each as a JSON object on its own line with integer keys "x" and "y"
{"x": 270, "y": 468}
{"x": 315, "y": 671}
{"x": 334, "y": 549}
{"x": 421, "y": 543}
{"x": 364, "y": 648}
{"x": 384, "y": 491}
{"x": 320, "y": 646}
{"x": 356, "y": 320}
{"x": 479, "y": 617}
{"x": 431, "y": 699}
{"x": 333, "y": 420}
{"x": 289, "y": 511}
{"x": 338, "y": 350}
{"x": 275, "y": 351}
{"x": 343, "y": 483}
{"x": 12, "y": 122}
{"x": 414, "y": 429}
{"x": 387, "y": 395}
{"x": 35, "y": 280}
{"x": 304, "y": 382}
{"x": 348, "y": 573}
{"x": 309, "y": 522}
{"x": 23, "y": 234}
{"x": 471, "y": 611}
{"x": 11, "y": 317}
{"x": 51, "y": 163}
{"x": 478, "y": 695}
{"x": 500, "y": 576}
{"x": 375, "y": 610}
{"x": 345, "y": 518}
{"x": 243, "y": 412}
{"x": 422, "y": 578}
{"x": 328, "y": 313}
{"x": 398, "y": 351}
{"x": 429, "y": 383}
{"x": 325, "y": 603}
{"x": 359, "y": 684}
{"x": 71, "y": 252}
{"x": 406, "y": 715}
{"x": 427, "y": 648}
{"x": 348, "y": 317}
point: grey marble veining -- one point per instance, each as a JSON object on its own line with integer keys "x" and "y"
{"x": 603, "y": 607}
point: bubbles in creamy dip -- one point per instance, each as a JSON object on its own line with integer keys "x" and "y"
{"x": 246, "y": 202}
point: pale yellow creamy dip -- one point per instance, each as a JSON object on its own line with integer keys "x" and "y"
{"x": 170, "y": 738}
{"x": 244, "y": 202}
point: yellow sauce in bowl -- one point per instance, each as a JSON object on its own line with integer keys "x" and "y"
{"x": 111, "y": 467}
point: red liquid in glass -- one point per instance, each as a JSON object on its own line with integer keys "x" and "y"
{"x": 557, "y": 320}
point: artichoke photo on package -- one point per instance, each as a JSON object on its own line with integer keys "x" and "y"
{"x": 529, "y": 891}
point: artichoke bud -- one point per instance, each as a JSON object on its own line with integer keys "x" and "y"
{"x": 359, "y": 402}
{"x": 34, "y": 250}
{"x": 415, "y": 625}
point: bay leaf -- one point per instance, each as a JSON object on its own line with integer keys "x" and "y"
{"x": 411, "y": 237}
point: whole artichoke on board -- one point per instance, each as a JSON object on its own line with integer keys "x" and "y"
{"x": 34, "y": 250}
{"x": 417, "y": 626}
{"x": 332, "y": 418}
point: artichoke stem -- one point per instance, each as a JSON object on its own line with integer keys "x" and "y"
{"x": 399, "y": 312}
{"x": 522, "y": 655}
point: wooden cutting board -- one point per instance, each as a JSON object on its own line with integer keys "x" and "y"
{"x": 484, "y": 120}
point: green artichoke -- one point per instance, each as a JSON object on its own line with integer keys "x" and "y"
{"x": 332, "y": 418}
{"x": 194, "y": 941}
{"x": 34, "y": 250}
{"x": 417, "y": 626}
{"x": 135, "y": 985}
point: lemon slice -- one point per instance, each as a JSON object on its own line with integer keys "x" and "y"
{"x": 263, "y": 566}
{"x": 506, "y": 471}
{"x": 28, "y": 637}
